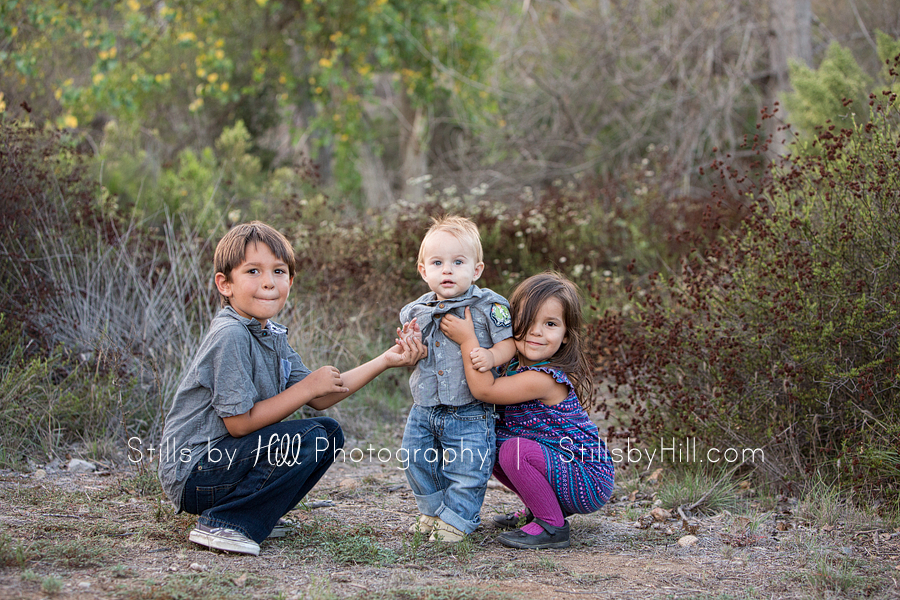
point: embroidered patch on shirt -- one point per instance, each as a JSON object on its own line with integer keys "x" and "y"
{"x": 500, "y": 315}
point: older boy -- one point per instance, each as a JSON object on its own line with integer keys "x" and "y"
{"x": 449, "y": 436}
{"x": 230, "y": 458}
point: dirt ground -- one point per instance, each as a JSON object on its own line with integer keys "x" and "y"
{"x": 109, "y": 535}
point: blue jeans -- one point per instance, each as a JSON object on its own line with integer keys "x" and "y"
{"x": 248, "y": 483}
{"x": 448, "y": 454}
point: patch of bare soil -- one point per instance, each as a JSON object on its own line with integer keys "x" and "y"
{"x": 103, "y": 536}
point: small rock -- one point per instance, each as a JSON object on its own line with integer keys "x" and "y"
{"x": 340, "y": 576}
{"x": 644, "y": 522}
{"x": 197, "y": 567}
{"x": 660, "y": 514}
{"x": 84, "y": 584}
{"x": 688, "y": 540}
{"x": 77, "y": 465}
{"x": 241, "y": 581}
{"x": 349, "y": 483}
{"x": 40, "y": 474}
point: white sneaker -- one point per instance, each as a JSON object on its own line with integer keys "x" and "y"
{"x": 222, "y": 538}
{"x": 281, "y": 529}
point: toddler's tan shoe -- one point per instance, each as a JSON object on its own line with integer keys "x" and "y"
{"x": 442, "y": 532}
{"x": 424, "y": 524}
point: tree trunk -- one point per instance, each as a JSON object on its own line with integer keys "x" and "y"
{"x": 790, "y": 24}
{"x": 413, "y": 150}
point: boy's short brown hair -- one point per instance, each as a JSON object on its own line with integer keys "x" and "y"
{"x": 461, "y": 228}
{"x": 231, "y": 249}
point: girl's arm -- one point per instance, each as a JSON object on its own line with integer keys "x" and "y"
{"x": 529, "y": 385}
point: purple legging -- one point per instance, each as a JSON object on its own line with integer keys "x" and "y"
{"x": 522, "y": 468}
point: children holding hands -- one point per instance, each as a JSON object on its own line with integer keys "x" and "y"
{"x": 549, "y": 451}
{"x": 234, "y": 460}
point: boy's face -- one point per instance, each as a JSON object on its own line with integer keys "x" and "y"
{"x": 449, "y": 268}
{"x": 259, "y": 286}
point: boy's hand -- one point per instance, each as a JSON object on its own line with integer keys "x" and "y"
{"x": 482, "y": 359}
{"x": 407, "y": 351}
{"x": 458, "y": 330}
{"x": 325, "y": 380}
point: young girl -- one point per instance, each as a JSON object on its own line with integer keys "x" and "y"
{"x": 549, "y": 452}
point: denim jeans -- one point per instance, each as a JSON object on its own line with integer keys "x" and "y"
{"x": 248, "y": 483}
{"x": 449, "y": 454}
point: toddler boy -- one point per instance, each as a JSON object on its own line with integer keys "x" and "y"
{"x": 448, "y": 443}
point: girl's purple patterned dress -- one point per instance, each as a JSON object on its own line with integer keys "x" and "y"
{"x": 579, "y": 466}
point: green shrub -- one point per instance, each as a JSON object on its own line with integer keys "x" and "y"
{"x": 784, "y": 335}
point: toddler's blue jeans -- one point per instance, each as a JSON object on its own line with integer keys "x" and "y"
{"x": 448, "y": 454}
{"x": 248, "y": 483}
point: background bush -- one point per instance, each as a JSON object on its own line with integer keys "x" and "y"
{"x": 783, "y": 334}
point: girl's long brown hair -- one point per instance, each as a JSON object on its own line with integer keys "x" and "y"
{"x": 572, "y": 357}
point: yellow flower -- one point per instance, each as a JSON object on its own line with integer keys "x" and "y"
{"x": 2, "y": 103}
{"x": 220, "y": 54}
{"x": 98, "y": 77}
{"x": 57, "y": 94}
{"x": 112, "y": 52}
{"x": 213, "y": 77}
{"x": 195, "y": 105}
{"x": 325, "y": 63}
{"x": 224, "y": 86}
{"x": 134, "y": 5}
{"x": 201, "y": 73}
{"x": 364, "y": 69}
{"x": 103, "y": 55}
{"x": 262, "y": 2}
{"x": 282, "y": 79}
{"x": 70, "y": 121}
{"x": 187, "y": 36}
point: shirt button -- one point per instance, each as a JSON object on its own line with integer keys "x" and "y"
{"x": 437, "y": 344}
{"x": 440, "y": 372}
{"x": 441, "y": 305}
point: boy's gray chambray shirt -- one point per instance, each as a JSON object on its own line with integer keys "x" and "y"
{"x": 238, "y": 364}
{"x": 439, "y": 378}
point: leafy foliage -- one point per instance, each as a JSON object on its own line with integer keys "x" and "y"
{"x": 784, "y": 335}
{"x": 832, "y": 92}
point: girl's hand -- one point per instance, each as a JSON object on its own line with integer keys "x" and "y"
{"x": 458, "y": 330}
